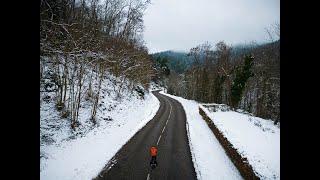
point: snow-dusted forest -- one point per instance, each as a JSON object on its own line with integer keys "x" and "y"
{"x": 103, "y": 93}
{"x": 82, "y": 43}
{"x": 227, "y": 74}
{"x": 93, "y": 68}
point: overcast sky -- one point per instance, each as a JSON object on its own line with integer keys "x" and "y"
{"x": 182, "y": 24}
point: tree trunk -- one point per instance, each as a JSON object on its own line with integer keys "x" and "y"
{"x": 95, "y": 105}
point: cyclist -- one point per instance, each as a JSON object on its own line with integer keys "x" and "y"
{"x": 153, "y": 153}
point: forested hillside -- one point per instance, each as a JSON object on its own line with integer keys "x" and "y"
{"x": 244, "y": 76}
{"x": 95, "y": 74}
{"x": 176, "y": 61}
{"x": 84, "y": 43}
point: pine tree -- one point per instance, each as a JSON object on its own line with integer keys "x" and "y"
{"x": 243, "y": 73}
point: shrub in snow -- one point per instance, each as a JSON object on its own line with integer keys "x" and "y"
{"x": 65, "y": 114}
{"x": 217, "y": 107}
{"x": 140, "y": 91}
{"x": 46, "y": 98}
{"x": 59, "y": 106}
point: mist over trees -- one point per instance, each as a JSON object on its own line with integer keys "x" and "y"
{"x": 84, "y": 41}
{"x": 244, "y": 76}
{"x": 177, "y": 61}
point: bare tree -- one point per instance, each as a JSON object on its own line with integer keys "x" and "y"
{"x": 81, "y": 39}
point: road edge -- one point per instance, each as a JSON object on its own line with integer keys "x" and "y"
{"x": 193, "y": 156}
{"x": 111, "y": 162}
{"x": 241, "y": 163}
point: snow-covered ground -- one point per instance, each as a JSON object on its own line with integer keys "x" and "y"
{"x": 209, "y": 158}
{"x": 81, "y": 154}
{"x": 255, "y": 138}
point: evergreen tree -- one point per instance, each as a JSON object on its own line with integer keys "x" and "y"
{"x": 162, "y": 64}
{"x": 243, "y": 73}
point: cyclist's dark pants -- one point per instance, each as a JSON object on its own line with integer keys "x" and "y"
{"x": 153, "y": 161}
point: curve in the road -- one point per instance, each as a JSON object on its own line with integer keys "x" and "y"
{"x": 167, "y": 131}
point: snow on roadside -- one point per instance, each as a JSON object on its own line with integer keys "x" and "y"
{"x": 84, "y": 157}
{"x": 255, "y": 138}
{"x": 209, "y": 158}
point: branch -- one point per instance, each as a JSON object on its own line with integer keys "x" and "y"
{"x": 225, "y": 72}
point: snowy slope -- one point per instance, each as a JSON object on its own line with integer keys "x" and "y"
{"x": 67, "y": 155}
{"x": 209, "y": 158}
{"x": 255, "y": 138}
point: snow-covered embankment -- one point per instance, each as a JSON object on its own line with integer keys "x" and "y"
{"x": 255, "y": 138}
{"x": 84, "y": 157}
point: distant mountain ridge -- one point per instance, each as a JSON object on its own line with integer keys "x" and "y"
{"x": 180, "y": 61}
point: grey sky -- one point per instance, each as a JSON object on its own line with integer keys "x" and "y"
{"x": 183, "y": 24}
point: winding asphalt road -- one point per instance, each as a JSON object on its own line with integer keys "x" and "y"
{"x": 166, "y": 131}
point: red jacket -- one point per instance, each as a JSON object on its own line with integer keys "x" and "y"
{"x": 153, "y": 151}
